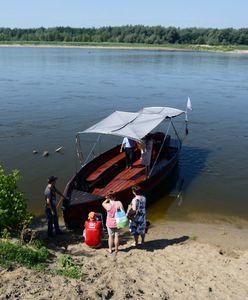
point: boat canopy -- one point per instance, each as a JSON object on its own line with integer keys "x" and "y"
{"x": 134, "y": 125}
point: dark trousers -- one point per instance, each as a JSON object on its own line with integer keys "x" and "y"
{"x": 129, "y": 156}
{"x": 52, "y": 221}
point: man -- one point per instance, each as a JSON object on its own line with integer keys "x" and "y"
{"x": 51, "y": 211}
{"x": 128, "y": 146}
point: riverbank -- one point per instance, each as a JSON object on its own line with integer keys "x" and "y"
{"x": 171, "y": 47}
{"x": 177, "y": 261}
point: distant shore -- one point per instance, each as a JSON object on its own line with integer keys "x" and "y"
{"x": 186, "y": 48}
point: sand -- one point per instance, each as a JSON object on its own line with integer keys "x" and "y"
{"x": 177, "y": 261}
{"x": 237, "y": 51}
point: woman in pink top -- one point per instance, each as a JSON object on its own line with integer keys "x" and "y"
{"x": 112, "y": 205}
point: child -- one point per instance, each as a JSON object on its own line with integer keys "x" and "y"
{"x": 93, "y": 231}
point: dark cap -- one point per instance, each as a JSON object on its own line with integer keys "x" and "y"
{"x": 52, "y": 179}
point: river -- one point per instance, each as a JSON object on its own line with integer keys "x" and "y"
{"x": 47, "y": 95}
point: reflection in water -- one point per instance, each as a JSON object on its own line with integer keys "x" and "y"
{"x": 172, "y": 192}
{"x": 192, "y": 163}
{"x": 162, "y": 197}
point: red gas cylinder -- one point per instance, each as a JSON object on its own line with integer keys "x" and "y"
{"x": 93, "y": 231}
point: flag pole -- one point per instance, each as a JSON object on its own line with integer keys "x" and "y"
{"x": 188, "y": 106}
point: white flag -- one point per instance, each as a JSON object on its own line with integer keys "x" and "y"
{"x": 189, "y": 106}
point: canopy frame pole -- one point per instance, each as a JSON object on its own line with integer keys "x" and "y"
{"x": 179, "y": 139}
{"x": 79, "y": 149}
{"x": 92, "y": 150}
{"x": 168, "y": 128}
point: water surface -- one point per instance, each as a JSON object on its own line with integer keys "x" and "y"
{"x": 47, "y": 95}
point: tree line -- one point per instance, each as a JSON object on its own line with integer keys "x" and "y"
{"x": 129, "y": 34}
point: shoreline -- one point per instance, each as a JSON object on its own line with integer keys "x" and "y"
{"x": 192, "y": 220}
{"x": 229, "y": 235}
{"x": 225, "y": 235}
{"x": 181, "y": 260}
{"x": 201, "y": 48}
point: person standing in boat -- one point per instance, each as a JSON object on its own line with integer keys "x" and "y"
{"x": 51, "y": 210}
{"x": 128, "y": 146}
{"x": 137, "y": 225}
{"x": 112, "y": 205}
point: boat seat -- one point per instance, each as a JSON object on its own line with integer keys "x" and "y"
{"x": 106, "y": 166}
{"x": 106, "y": 176}
{"x": 78, "y": 197}
{"x": 125, "y": 179}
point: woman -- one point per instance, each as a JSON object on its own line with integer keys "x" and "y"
{"x": 112, "y": 205}
{"x": 138, "y": 225}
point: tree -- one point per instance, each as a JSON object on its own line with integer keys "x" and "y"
{"x": 129, "y": 34}
{"x": 172, "y": 35}
{"x": 13, "y": 205}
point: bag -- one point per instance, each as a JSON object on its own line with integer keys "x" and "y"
{"x": 131, "y": 214}
{"x": 121, "y": 219}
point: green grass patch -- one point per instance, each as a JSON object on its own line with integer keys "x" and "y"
{"x": 67, "y": 267}
{"x": 192, "y": 237}
{"x": 15, "y": 254}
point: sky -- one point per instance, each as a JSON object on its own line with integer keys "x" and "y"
{"x": 98, "y": 13}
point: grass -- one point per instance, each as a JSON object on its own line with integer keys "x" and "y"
{"x": 67, "y": 267}
{"x": 165, "y": 47}
{"x": 35, "y": 256}
{"x": 192, "y": 237}
{"x": 15, "y": 254}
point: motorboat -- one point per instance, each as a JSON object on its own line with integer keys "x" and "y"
{"x": 155, "y": 155}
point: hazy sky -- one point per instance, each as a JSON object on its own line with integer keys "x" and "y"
{"x": 97, "y": 13}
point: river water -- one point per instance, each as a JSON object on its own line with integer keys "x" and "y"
{"x": 47, "y": 95}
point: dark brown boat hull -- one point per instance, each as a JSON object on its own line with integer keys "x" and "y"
{"x": 76, "y": 212}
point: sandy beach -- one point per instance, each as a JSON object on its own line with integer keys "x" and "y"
{"x": 177, "y": 261}
{"x": 121, "y": 47}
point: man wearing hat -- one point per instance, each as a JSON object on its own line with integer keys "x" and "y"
{"x": 51, "y": 211}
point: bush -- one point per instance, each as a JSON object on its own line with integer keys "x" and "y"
{"x": 13, "y": 205}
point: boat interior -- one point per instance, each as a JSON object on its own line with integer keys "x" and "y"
{"x": 109, "y": 172}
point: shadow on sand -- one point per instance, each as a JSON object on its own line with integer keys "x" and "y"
{"x": 157, "y": 244}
